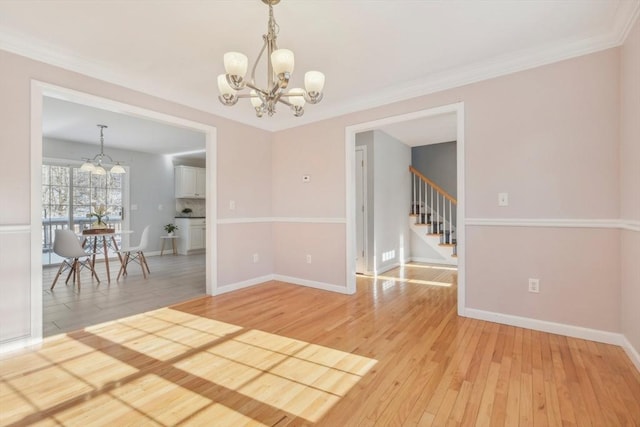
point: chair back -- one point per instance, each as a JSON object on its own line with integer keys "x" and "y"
{"x": 144, "y": 239}
{"x": 67, "y": 245}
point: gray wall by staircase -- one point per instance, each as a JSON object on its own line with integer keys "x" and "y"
{"x": 438, "y": 163}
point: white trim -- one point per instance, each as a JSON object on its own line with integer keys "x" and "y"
{"x": 433, "y": 261}
{"x": 20, "y": 344}
{"x": 10, "y": 229}
{"x": 365, "y": 207}
{"x": 244, "y": 284}
{"x": 625, "y": 16}
{"x": 282, "y": 219}
{"x": 625, "y": 20}
{"x": 312, "y": 284}
{"x": 350, "y": 143}
{"x": 631, "y": 352}
{"x": 555, "y": 222}
{"x": 36, "y": 305}
{"x": 627, "y": 224}
{"x": 41, "y": 89}
{"x": 287, "y": 279}
{"x": 545, "y": 326}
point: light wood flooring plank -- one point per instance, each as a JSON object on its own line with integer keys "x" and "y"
{"x": 394, "y": 354}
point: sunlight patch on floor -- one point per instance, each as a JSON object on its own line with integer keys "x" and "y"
{"x": 414, "y": 281}
{"x": 168, "y": 367}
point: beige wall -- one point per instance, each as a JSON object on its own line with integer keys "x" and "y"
{"x": 549, "y": 136}
{"x": 630, "y": 185}
{"x": 241, "y": 175}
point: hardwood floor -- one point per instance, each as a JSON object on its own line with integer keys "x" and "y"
{"x": 173, "y": 279}
{"x": 394, "y": 354}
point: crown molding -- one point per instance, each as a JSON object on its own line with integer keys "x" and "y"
{"x": 626, "y": 15}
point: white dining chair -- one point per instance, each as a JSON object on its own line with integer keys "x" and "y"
{"x": 135, "y": 254}
{"x": 67, "y": 245}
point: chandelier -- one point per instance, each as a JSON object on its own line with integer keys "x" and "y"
{"x": 95, "y": 165}
{"x": 280, "y": 64}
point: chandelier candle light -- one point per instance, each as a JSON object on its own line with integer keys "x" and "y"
{"x": 280, "y": 64}
{"x": 95, "y": 166}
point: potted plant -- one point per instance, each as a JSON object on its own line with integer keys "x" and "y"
{"x": 186, "y": 211}
{"x": 170, "y": 228}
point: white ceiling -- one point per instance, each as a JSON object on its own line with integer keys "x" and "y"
{"x": 373, "y": 52}
{"x": 74, "y": 122}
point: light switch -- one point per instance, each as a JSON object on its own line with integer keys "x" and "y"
{"x": 134, "y": 207}
{"x": 503, "y": 199}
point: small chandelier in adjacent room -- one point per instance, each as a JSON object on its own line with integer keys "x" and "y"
{"x": 95, "y": 165}
{"x": 280, "y": 64}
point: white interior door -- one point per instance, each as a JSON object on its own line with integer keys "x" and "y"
{"x": 361, "y": 211}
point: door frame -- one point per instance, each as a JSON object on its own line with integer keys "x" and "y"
{"x": 39, "y": 90}
{"x": 365, "y": 213}
{"x": 350, "y": 143}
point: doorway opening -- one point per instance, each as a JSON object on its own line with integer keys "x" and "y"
{"x": 353, "y": 202}
{"x": 42, "y": 92}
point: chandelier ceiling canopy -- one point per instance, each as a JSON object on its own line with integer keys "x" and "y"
{"x": 280, "y": 64}
{"x": 95, "y": 165}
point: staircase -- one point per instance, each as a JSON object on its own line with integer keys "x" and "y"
{"x": 432, "y": 218}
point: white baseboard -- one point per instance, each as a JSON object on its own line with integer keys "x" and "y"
{"x": 545, "y": 326}
{"x": 433, "y": 261}
{"x": 281, "y": 278}
{"x": 244, "y": 284}
{"x": 20, "y": 344}
{"x": 312, "y": 284}
{"x": 631, "y": 352}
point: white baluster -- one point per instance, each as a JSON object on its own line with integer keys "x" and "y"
{"x": 450, "y": 223}
{"x": 420, "y": 201}
{"x": 413, "y": 205}
{"x": 431, "y": 208}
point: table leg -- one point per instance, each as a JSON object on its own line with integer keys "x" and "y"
{"x": 95, "y": 248}
{"x": 173, "y": 244}
{"x": 106, "y": 257}
{"x": 162, "y": 248}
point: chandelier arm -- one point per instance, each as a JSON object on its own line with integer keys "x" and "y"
{"x": 256, "y": 88}
{"x": 284, "y": 101}
{"x": 255, "y": 65}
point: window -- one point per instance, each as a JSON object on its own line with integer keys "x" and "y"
{"x": 69, "y": 195}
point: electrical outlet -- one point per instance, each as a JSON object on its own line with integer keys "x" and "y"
{"x": 503, "y": 199}
{"x": 534, "y": 285}
{"x": 308, "y": 259}
{"x": 256, "y": 258}
{"x": 232, "y": 205}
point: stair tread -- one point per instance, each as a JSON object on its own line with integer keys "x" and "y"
{"x": 446, "y": 244}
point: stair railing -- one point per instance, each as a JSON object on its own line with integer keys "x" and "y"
{"x": 433, "y": 206}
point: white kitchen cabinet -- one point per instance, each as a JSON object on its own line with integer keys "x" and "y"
{"x": 190, "y": 182}
{"x": 192, "y": 235}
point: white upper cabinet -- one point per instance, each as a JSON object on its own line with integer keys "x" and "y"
{"x": 190, "y": 182}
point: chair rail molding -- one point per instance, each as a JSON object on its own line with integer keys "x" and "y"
{"x": 555, "y": 222}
